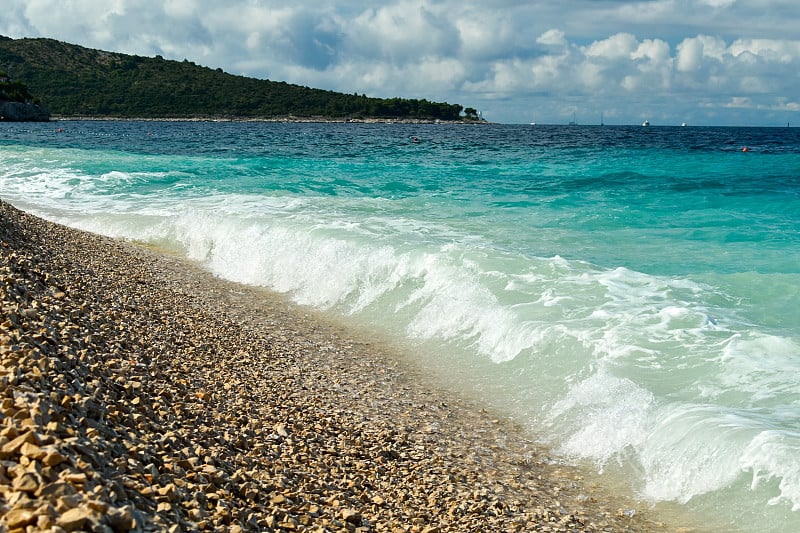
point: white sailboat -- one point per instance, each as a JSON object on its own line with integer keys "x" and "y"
{"x": 574, "y": 121}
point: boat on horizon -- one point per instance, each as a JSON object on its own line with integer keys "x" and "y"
{"x": 574, "y": 121}
{"x": 646, "y": 123}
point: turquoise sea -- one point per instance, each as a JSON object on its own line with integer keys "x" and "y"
{"x": 629, "y": 295}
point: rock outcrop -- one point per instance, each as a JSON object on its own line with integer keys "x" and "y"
{"x": 22, "y": 112}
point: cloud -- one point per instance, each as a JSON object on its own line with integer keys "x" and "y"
{"x": 718, "y": 3}
{"x": 615, "y": 48}
{"x": 623, "y": 58}
{"x": 693, "y": 52}
{"x": 180, "y": 9}
{"x": 487, "y": 35}
{"x": 552, "y": 38}
{"x": 778, "y": 51}
{"x": 403, "y": 32}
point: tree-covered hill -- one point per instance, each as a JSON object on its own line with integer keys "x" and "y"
{"x": 17, "y": 103}
{"x": 72, "y": 80}
{"x": 13, "y": 91}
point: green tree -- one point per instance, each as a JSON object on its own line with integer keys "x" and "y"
{"x": 471, "y": 113}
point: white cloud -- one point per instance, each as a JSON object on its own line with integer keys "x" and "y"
{"x": 592, "y": 76}
{"x": 552, "y": 37}
{"x": 690, "y": 55}
{"x": 631, "y": 83}
{"x": 753, "y": 85}
{"x": 739, "y": 102}
{"x": 779, "y": 51}
{"x": 616, "y": 47}
{"x": 547, "y": 72}
{"x": 719, "y": 4}
{"x": 615, "y": 55}
{"x": 77, "y": 19}
{"x": 402, "y": 32}
{"x": 181, "y": 9}
{"x": 484, "y": 35}
{"x": 654, "y": 51}
{"x": 650, "y": 11}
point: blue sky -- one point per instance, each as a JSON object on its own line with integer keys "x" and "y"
{"x": 722, "y": 62}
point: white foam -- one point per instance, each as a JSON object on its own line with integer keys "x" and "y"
{"x": 330, "y": 266}
{"x": 655, "y": 351}
{"x": 691, "y": 450}
{"x": 603, "y": 416}
{"x": 761, "y": 366}
{"x": 773, "y": 454}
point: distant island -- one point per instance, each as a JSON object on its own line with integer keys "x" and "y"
{"x": 74, "y": 81}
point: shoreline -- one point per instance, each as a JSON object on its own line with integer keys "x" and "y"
{"x": 282, "y": 119}
{"x": 143, "y": 393}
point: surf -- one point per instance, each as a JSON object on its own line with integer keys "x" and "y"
{"x": 628, "y": 299}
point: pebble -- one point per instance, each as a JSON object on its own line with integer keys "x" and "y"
{"x": 139, "y": 393}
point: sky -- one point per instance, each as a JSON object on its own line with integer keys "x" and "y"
{"x": 703, "y": 62}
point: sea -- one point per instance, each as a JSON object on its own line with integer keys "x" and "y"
{"x": 629, "y": 296}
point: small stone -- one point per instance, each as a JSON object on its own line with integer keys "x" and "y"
{"x": 53, "y": 458}
{"x": 120, "y": 518}
{"x": 168, "y": 492}
{"x": 27, "y": 482}
{"x": 73, "y": 519}
{"x": 31, "y": 450}
{"x": 44, "y": 522}
{"x": 98, "y": 506}
{"x": 70, "y": 501}
{"x": 350, "y": 515}
{"x": 19, "y": 518}
{"x": 56, "y": 490}
{"x": 76, "y": 478}
{"x": 13, "y": 446}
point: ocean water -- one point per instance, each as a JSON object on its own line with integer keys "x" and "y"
{"x": 629, "y": 295}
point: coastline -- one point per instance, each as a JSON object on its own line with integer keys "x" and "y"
{"x": 142, "y": 393}
{"x": 281, "y": 119}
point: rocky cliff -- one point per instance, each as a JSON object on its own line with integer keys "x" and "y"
{"x": 22, "y": 112}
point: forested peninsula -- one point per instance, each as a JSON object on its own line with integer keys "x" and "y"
{"x": 74, "y": 81}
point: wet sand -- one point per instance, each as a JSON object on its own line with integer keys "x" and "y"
{"x": 140, "y": 392}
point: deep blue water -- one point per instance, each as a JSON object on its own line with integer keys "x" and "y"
{"x": 629, "y": 294}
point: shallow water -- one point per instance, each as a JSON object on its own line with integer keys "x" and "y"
{"x": 627, "y": 293}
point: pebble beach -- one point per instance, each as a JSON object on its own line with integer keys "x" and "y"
{"x": 140, "y": 393}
